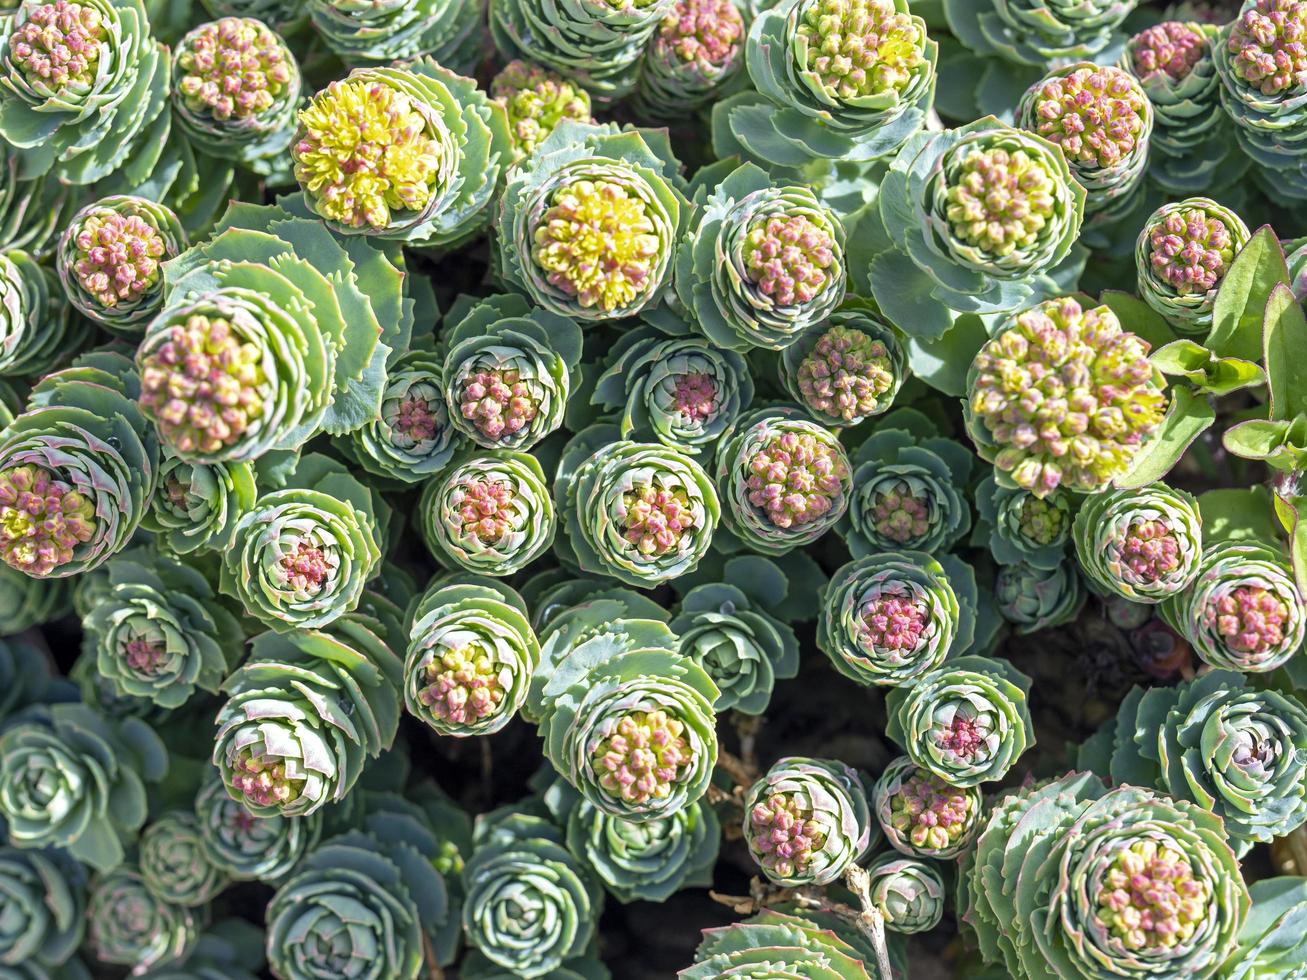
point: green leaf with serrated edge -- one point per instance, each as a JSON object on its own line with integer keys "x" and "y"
{"x": 1284, "y": 342}
{"x": 1242, "y": 296}
{"x": 1237, "y": 514}
{"x": 1138, "y": 317}
{"x": 1187, "y": 417}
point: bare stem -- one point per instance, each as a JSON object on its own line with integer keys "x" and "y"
{"x": 869, "y": 920}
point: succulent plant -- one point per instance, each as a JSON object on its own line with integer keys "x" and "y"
{"x": 806, "y": 821}
{"x": 922, "y": 815}
{"x": 785, "y": 481}
{"x": 301, "y": 556}
{"x": 489, "y": 513}
{"x": 691, "y": 59}
{"x": 244, "y": 846}
{"x": 536, "y": 100}
{"x": 1215, "y": 742}
{"x": 640, "y": 512}
{"x": 45, "y": 906}
{"x": 508, "y": 371}
{"x": 71, "y": 778}
{"x": 36, "y": 329}
{"x": 1100, "y": 399}
{"x": 1268, "y": 943}
{"x": 82, "y": 83}
{"x": 76, "y": 474}
{"x": 33, "y": 209}
{"x": 1021, "y": 527}
{"x": 888, "y": 618}
{"x": 626, "y": 719}
{"x": 1118, "y": 882}
{"x": 230, "y": 949}
{"x": 128, "y": 925}
{"x": 761, "y": 262}
{"x": 908, "y": 489}
{"x": 1036, "y": 32}
{"x": 800, "y": 943}
{"x": 683, "y": 392}
{"x": 471, "y": 653}
{"x": 452, "y": 140}
{"x": 26, "y": 602}
{"x": 173, "y": 863}
{"x": 1101, "y": 119}
{"x": 966, "y": 722}
{"x": 1242, "y": 610}
{"x": 622, "y": 189}
{"x": 235, "y": 91}
{"x": 197, "y": 505}
{"x": 1034, "y": 599}
{"x": 730, "y": 628}
{"x": 530, "y": 905}
{"x": 1182, "y": 254}
{"x": 304, "y": 712}
{"x": 1143, "y": 545}
{"x": 908, "y": 892}
{"x": 847, "y": 368}
{"x": 364, "y": 31}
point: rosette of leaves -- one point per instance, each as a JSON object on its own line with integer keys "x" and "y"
{"x": 683, "y": 392}
{"x": 364, "y": 31}
{"x": 691, "y": 59}
{"x": 412, "y": 438}
{"x": 1270, "y": 942}
{"x": 1260, "y": 61}
{"x": 1020, "y": 527}
{"x": 1174, "y": 63}
{"x": 1182, "y": 254}
{"x": 967, "y": 722}
{"x": 536, "y": 101}
{"x": 761, "y": 262}
{"x": 250, "y": 847}
{"x": 1037, "y": 32}
{"x": 77, "y": 470}
{"x": 1242, "y": 611}
{"x": 785, "y": 480}
{"x": 908, "y": 892}
{"x": 83, "y": 86}
{"x": 806, "y": 821}
{"x": 110, "y": 257}
{"x": 530, "y": 905}
{"x": 129, "y": 925}
{"x": 801, "y": 942}
{"x": 26, "y": 602}
{"x": 72, "y": 778}
{"x": 278, "y": 13}
{"x": 489, "y": 514}
{"x": 1083, "y": 437}
{"x": 945, "y": 244}
{"x": 300, "y": 323}
{"x": 922, "y": 815}
{"x": 597, "y": 45}
{"x": 235, "y": 91}
{"x": 729, "y": 629}
{"x": 305, "y": 712}
{"x": 44, "y": 898}
{"x": 230, "y": 949}
{"x": 301, "y": 556}
{"x": 197, "y": 504}
{"x": 158, "y": 631}
{"x": 1142, "y": 545}
{"x": 173, "y": 862}
{"x": 37, "y": 331}
{"x": 452, "y": 140}
{"x": 1236, "y": 751}
{"x": 908, "y": 489}
{"x": 1101, "y": 119}
{"x": 508, "y": 370}
{"x": 847, "y": 368}
{"x": 1178, "y": 898}
{"x": 1034, "y": 599}
{"x": 888, "y": 618}
{"x": 625, "y": 718}
{"x": 639, "y": 861}
{"x": 354, "y": 898}
{"x": 556, "y": 594}
{"x": 624, "y": 189}
{"x": 33, "y": 209}
{"x": 836, "y": 81}
{"x": 471, "y": 654}
{"x": 641, "y": 513}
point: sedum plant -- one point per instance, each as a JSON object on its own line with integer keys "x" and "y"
{"x": 806, "y": 821}
{"x": 197, "y": 505}
{"x": 1034, "y": 599}
{"x": 1143, "y": 545}
{"x": 245, "y": 846}
{"x": 908, "y": 892}
{"x": 45, "y": 906}
{"x": 536, "y": 100}
{"x": 693, "y": 58}
{"x": 363, "y": 31}
{"x": 801, "y": 943}
{"x": 1267, "y": 943}
{"x": 173, "y": 863}
{"x": 922, "y": 815}
{"x": 1018, "y": 526}
{"x": 36, "y": 328}
{"x": 129, "y": 926}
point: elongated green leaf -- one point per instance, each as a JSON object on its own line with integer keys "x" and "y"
{"x": 1241, "y": 299}
{"x": 1284, "y": 344}
{"x": 1188, "y": 416}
